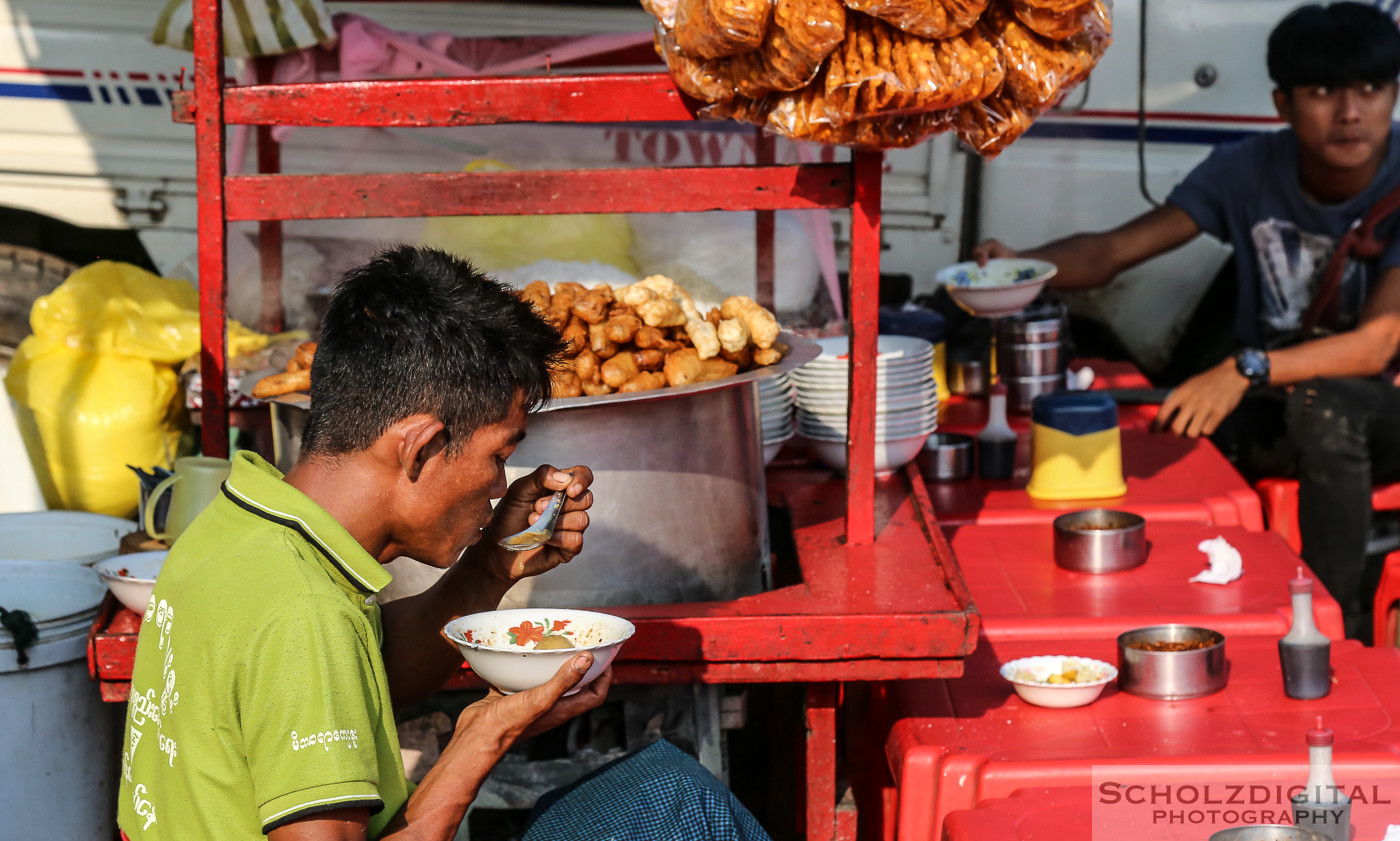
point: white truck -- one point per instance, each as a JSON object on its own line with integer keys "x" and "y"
{"x": 91, "y": 164}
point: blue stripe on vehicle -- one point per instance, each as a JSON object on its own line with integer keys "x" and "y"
{"x": 1155, "y": 134}
{"x": 67, "y": 93}
{"x": 106, "y": 97}
{"x": 121, "y": 92}
{"x": 148, "y": 96}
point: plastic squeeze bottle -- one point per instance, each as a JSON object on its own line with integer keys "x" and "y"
{"x": 1304, "y": 652}
{"x": 1322, "y": 806}
{"x": 996, "y": 443}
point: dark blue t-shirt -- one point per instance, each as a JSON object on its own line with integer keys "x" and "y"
{"x": 1247, "y": 194}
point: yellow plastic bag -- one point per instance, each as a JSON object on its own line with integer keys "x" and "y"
{"x": 494, "y": 243}
{"x": 96, "y": 384}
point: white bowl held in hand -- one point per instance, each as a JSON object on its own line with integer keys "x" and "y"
{"x": 1004, "y": 286}
{"x": 502, "y": 646}
{"x": 1030, "y": 676}
{"x": 132, "y": 578}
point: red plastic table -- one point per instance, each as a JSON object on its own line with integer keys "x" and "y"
{"x": 1022, "y": 595}
{"x": 1169, "y": 478}
{"x": 1066, "y": 814}
{"x": 961, "y": 413}
{"x": 958, "y": 742}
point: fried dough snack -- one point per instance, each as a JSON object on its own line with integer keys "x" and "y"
{"x": 645, "y": 381}
{"x": 708, "y": 29}
{"x": 662, "y": 291}
{"x": 1089, "y": 18}
{"x": 761, "y": 324}
{"x": 803, "y": 33}
{"x": 924, "y": 18}
{"x": 879, "y": 69}
{"x": 685, "y": 367}
{"x": 297, "y": 376}
{"x": 1039, "y": 70}
{"x": 625, "y": 353}
{"x": 275, "y": 385}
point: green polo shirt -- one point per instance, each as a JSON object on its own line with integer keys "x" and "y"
{"x": 259, "y": 694}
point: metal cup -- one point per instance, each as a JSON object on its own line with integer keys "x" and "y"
{"x": 946, "y": 457}
{"x": 1100, "y": 540}
{"x": 1171, "y": 675}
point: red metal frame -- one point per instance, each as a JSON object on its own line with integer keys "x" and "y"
{"x": 879, "y": 600}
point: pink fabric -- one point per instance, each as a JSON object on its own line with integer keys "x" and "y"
{"x": 367, "y": 49}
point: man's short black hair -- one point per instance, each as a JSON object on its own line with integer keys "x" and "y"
{"x": 1333, "y": 46}
{"x": 419, "y": 331}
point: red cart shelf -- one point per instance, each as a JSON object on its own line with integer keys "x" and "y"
{"x": 880, "y": 598}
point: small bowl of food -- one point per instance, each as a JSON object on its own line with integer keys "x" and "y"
{"x": 1100, "y": 540}
{"x": 1172, "y": 662}
{"x": 132, "y": 578}
{"x": 515, "y": 650}
{"x": 1004, "y": 286}
{"x": 1057, "y": 680}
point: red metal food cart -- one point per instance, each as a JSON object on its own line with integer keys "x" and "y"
{"x": 880, "y": 597}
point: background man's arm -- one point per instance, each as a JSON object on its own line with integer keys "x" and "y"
{"x": 1197, "y": 406}
{"x": 1364, "y": 351}
{"x": 1087, "y": 261}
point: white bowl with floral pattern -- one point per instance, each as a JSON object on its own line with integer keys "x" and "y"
{"x": 515, "y": 650}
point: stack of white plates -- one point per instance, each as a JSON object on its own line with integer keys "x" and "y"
{"x": 906, "y": 409}
{"x": 775, "y": 409}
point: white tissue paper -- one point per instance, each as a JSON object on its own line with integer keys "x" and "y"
{"x": 1225, "y": 562}
{"x": 1392, "y": 833}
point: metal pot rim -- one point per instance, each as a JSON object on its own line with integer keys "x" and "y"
{"x": 1138, "y": 523}
{"x": 1219, "y": 640}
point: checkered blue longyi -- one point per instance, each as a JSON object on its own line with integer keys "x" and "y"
{"x": 659, "y": 793}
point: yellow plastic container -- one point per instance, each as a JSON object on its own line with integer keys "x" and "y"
{"x": 1076, "y": 448}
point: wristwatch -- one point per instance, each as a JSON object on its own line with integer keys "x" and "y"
{"x": 1253, "y": 365}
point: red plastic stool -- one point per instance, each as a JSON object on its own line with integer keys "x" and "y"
{"x": 1280, "y": 498}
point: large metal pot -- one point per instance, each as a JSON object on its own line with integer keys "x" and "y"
{"x": 680, "y": 511}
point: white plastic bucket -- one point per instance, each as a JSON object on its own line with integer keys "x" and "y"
{"x": 71, "y": 536}
{"x": 62, "y": 740}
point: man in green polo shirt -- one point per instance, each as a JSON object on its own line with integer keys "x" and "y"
{"x": 266, "y": 676}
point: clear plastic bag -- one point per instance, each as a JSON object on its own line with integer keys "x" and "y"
{"x": 879, "y": 69}
{"x": 925, "y": 18}
{"x": 1089, "y": 19}
{"x": 709, "y": 29}
{"x": 804, "y": 115}
{"x": 1039, "y": 70}
{"x": 803, "y": 33}
{"x": 663, "y": 10}
{"x": 708, "y": 81}
{"x": 991, "y": 125}
{"x": 1060, "y": 6}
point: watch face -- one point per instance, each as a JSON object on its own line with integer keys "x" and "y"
{"x": 1252, "y": 363}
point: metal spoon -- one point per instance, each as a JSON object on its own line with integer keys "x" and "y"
{"x": 543, "y": 529}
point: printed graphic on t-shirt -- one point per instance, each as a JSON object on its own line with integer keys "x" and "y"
{"x": 1291, "y": 263}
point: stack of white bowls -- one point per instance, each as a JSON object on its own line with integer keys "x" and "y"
{"x": 775, "y": 409}
{"x": 906, "y": 409}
